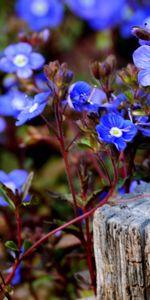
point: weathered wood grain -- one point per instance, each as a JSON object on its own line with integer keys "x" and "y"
{"x": 122, "y": 249}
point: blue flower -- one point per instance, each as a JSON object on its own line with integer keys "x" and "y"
{"x": 19, "y": 59}
{"x": 2, "y": 125}
{"x": 83, "y": 97}
{"x": 116, "y": 130}
{"x": 12, "y": 103}
{"x": 141, "y": 58}
{"x": 100, "y": 14}
{"x": 33, "y": 108}
{"x": 40, "y": 13}
{"x": 14, "y": 180}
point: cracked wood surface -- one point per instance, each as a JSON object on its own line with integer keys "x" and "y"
{"x": 122, "y": 249}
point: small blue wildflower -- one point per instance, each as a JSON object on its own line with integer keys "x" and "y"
{"x": 19, "y": 59}
{"x": 116, "y": 130}
{"x": 14, "y": 180}
{"x": 83, "y": 97}
{"x": 141, "y": 58}
{"x": 33, "y": 108}
{"x": 12, "y": 103}
{"x": 2, "y": 125}
{"x": 100, "y": 14}
{"x": 40, "y": 13}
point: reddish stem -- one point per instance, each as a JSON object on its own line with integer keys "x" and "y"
{"x": 45, "y": 237}
{"x": 18, "y": 221}
{"x": 58, "y": 116}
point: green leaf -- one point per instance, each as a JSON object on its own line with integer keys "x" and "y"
{"x": 138, "y": 112}
{"x": 11, "y": 245}
{"x": 8, "y": 195}
{"x": 26, "y": 245}
{"x": 121, "y": 182}
{"x": 72, "y": 229}
{"x": 84, "y": 143}
{"x": 41, "y": 281}
{"x": 26, "y": 186}
{"x": 96, "y": 196}
{"x": 59, "y": 196}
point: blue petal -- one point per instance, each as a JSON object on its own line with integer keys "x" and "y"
{"x": 144, "y": 77}
{"x": 41, "y": 97}
{"x": 6, "y": 65}
{"x": 145, "y": 131}
{"x": 130, "y": 130}
{"x": 3, "y": 177}
{"x": 18, "y": 177}
{"x": 17, "y": 277}
{"x": 112, "y": 120}
{"x": 5, "y": 106}
{"x": 104, "y": 134}
{"x": 120, "y": 144}
{"x": 141, "y": 57}
{"x": 2, "y": 125}
{"x": 3, "y": 202}
{"x": 20, "y": 48}
{"x": 25, "y": 115}
{"x": 36, "y": 60}
{"x": 12, "y": 102}
{"x": 24, "y": 72}
{"x": 97, "y": 96}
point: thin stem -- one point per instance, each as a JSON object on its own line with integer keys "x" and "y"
{"x": 2, "y": 277}
{"x": 49, "y": 234}
{"x": 99, "y": 170}
{"x": 70, "y": 144}
{"x": 65, "y": 155}
{"x": 50, "y": 126}
{"x": 58, "y": 117}
{"x": 18, "y": 221}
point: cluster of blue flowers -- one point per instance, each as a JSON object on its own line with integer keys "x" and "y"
{"x": 21, "y": 60}
{"x": 99, "y": 14}
{"x": 113, "y": 128}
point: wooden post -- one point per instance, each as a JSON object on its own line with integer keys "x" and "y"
{"x": 122, "y": 248}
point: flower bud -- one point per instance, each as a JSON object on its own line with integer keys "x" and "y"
{"x": 102, "y": 69}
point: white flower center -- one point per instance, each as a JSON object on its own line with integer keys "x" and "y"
{"x": 10, "y": 185}
{"x": 33, "y": 107}
{"x": 17, "y": 103}
{"x": 39, "y": 8}
{"x": 20, "y": 60}
{"x": 88, "y": 3}
{"x": 115, "y": 131}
